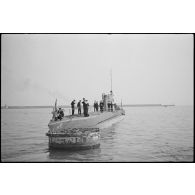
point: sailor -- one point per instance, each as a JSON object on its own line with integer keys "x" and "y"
{"x": 111, "y": 106}
{"x": 79, "y": 107}
{"x": 72, "y": 106}
{"x": 83, "y": 102}
{"x": 101, "y": 106}
{"x": 60, "y": 114}
{"x": 94, "y": 105}
{"x": 87, "y": 108}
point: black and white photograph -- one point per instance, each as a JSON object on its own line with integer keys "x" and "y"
{"x": 108, "y": 97}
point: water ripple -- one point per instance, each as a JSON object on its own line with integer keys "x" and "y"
{"x": 145, "y": 135}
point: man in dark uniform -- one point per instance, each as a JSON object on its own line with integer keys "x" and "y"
{"x": 72, "y": 106}
{"x": 101, "y": 106}
{"x": 83, "y": 102}
{"x": 79, "y": 107}
{"x": 111, "y": 106}
{"x": 61, "y": 114}
{"x": 94, "y": 106}
{"x": 87, "y": 108}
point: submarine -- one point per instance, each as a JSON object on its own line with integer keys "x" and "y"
{"x": 81, "y": 132}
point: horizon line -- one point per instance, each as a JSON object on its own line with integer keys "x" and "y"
{"x": 68, "y": 106}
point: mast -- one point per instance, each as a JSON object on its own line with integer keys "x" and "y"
{"x": 55, "y": 107}
{"x": 111, "y": 78}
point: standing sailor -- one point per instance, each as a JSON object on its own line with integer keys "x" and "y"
{"x": 101, "y": 106}
{"x": 97, "y": 106}
{"x": 72, "y": 106}
{"x": 94, "y": 106}
{"x": 87, "y": 108}
{"x": 83, "y": 102}
{"x": 79, "y": 107}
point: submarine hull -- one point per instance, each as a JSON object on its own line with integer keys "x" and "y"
{"x": 79, "y": 132}
{"x": 75, "y": 138}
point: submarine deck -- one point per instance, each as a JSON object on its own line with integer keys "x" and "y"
{"x": 79, "y": 121}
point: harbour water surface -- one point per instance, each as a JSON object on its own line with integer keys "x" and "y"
{"x": 146, "y": 134}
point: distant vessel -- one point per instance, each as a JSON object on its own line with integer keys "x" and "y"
{"x": 79, "y": 132}
{"x": 6, "y": 106}
{"x": 167, "y": 105}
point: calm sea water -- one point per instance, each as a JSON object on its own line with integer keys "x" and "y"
{"x": 146, "y": 134}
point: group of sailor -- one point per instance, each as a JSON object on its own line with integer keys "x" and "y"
{"x": 58, "y": 114}
{"x": 110, "y": 106}
{"x": 95, "y": 105}
{"x": 85, "y": 107}
{"x": 107, "y": 103}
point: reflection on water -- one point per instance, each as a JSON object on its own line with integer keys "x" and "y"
{"x": 74, "y": 155}
{"x": 146, "y": 134}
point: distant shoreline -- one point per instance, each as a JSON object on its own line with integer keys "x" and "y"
{"x": 127, "y": 105}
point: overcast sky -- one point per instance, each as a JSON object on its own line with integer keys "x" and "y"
{"x": 36, "y": 69}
